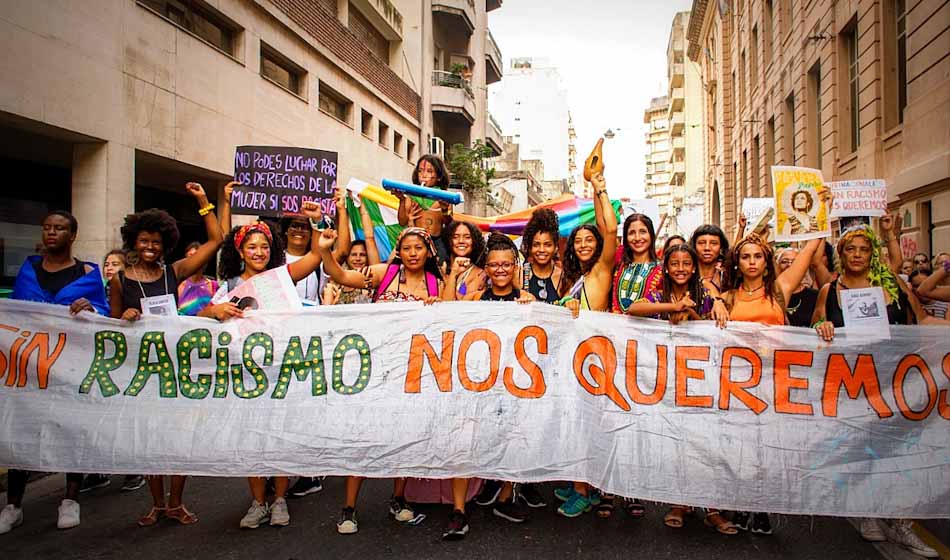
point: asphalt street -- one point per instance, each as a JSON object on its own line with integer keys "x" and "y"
{"x": 108, "y": 530}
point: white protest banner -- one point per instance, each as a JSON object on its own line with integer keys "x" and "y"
{"x": 859, "y": 198}
{"x": 272, "y": 290}
{"x": 758, "y": 212}
{"x": 746, "y": 418}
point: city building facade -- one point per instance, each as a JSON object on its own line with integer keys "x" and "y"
{"x": 110, "y": 106}
{"x": 858, "y": 89}
{"x": 531, "y": 106}
{"x": 657, "y": 135}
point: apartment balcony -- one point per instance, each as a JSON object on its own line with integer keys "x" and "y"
{"x": 453, "y": 94}
{"x": 493, "y": 60}
{"x": 677, "y": 172}
{"x": 383, "y": 15}
{"x": 677, "y": 123}
{"x": 493, "y": 136}
{"x": 677, "y": 148}
{"x": 677, "y": 74}
{"x": 492, "y": 5}
{"x": 677, "y": 98}
{"x": 458, "y": 16}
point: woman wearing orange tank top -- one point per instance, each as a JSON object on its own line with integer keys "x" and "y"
{"x": 758, "y": 295}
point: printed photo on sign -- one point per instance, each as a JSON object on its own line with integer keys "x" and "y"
{"x": 758, "y": 213}
{"x": 800, "y": 212}
{"x": 844, "y": 224}
{"x": 864, "y": 308}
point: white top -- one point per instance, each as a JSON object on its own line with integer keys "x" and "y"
{"x": 309, "y": 288}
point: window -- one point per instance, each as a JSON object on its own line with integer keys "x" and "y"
{"x": 788, "y": 131}
{"x": 199, "y": 19}
{"x": 814, "y": 115}
{"x": 754, "y": 59}
{"x": 895, "y": 62}
{"x": 334, "y": 104}
{"x": 410, "y": 151}
{"x": 755, "y": 167}
{"x": 735, "y": 183}
{"x": 770, "y": 153}
{"x": 852, "y": 109}
{"x": 901, "y": 15}
{"x": 785, "y": 15}
{"x": 735, "y": 97}
{"x": 767, "y": 16}
{"x": 366, "y": 123}
{"x": 745, "y": 173}
{"x": 368, "y": 35}
{"x": 383, "y": 134}
{"x": 397, "y": 142}
{"x": 743, "y": 82}
{"x": 278, "y": 69}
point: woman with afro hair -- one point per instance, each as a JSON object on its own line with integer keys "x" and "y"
{"x": 540, "y": 274}
{"x": 145, "y": 286}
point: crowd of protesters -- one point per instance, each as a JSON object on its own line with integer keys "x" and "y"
{"x": 694, "y": 276}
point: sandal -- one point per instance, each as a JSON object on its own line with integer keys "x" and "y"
{"x": 152, "y": 517}
{"x": 634, "y": 507}
{"x": 715, "y": 520}
{"x": 182, "y": 515}
{"x": 674, "y": 518}
{"x": 606, "y": 507}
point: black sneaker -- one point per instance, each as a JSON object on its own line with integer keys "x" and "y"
{"x": 347, "y": 524}
{"x": 489, "y": 493}
{"x": 510, "y": 510}
{"x": 94, "y": 481}
{"x": 457, "y": 527}
{"x": 531, "y": 496}
{"x": 741, "y": 520}
{"x": 761, "y": 524}
{"x": 305, "y": 486}
{"x": 133, "y": 482}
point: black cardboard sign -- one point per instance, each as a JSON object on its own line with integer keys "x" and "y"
{"x": 276, "y": 180}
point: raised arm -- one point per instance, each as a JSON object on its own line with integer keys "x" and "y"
{"x": 190, "y": 265}
{"x": 932, "y": 288}
{"x": 823, "y": 276}
{"x": 226, "y": 207}
{"x": 349, "y": 278}
{"x": 604, "y": 212}
{"x": 740, "y": 229}
{"x": 344, "y": 240}
{"x": 889, "y": 227}
{"x": 306, "y": 264}
{"x": 369, "y": 234}
{"x": 793, "y": 275}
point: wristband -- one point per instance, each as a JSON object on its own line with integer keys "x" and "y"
{"x": 206, "y": 210}
{"x": 563, "y": 300}
{"x": 818, "y": 323}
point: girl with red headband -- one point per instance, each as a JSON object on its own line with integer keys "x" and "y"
{"x": 250, "y": 250}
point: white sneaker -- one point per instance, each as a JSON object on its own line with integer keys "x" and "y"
{"x": 68, "y": 514}
{"x": 279, "y": 516}
{"x": 256, "y": 514}
{"x": 871, "y": 530}
{"x": 10, "y": 517}
{"x": 901, "y": 532}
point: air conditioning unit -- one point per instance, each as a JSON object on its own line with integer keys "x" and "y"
{"x": 437, "y": 147}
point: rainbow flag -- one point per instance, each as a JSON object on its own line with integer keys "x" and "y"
{"x": 382, "y": 206}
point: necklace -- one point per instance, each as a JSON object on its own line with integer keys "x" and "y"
{"x": 752, "y": 291}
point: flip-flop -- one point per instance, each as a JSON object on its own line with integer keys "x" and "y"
{"x": 674, "y": 518}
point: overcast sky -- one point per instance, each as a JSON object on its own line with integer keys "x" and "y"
{"x": 611, "y": 55}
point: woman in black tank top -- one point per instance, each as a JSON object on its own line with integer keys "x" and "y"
{"x": 540, "y": 274}
{"x": 859, "y": 252}
{"x": 149, "y": 237}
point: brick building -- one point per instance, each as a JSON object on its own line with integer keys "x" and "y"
{"x": 857, "y": 88}
{"x": 109, "y": 106}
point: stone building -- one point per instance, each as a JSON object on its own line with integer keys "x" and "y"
{"x": 657, "y": 135}
{"x": 110, "y": 106}
{"x": 857, "y": 88}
